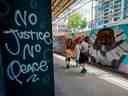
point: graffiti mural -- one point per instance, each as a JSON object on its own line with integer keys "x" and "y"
{"x": 111, "y": 47}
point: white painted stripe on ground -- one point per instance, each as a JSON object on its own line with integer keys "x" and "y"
{"x": 104, "y": 75}
{"x": 116, "y": 81}
{"x": 59, "y": 56}
{"x": 96, "y": 70}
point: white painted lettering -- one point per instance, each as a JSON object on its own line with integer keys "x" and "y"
{"x": 24, "y": 69}
{"x": 21, "y": 72}
{"x": 38, "y": 48}
{"x": 19, "y": 17}
{"x": 22, "y": 18}
{"x": 47, "y": 38}
{"x": 17, "y": 41}
{"x": 32, "y": 19}
{"x": 29, "y": 50}
{"x": 11, "y": 73}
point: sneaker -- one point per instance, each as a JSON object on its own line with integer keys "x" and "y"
{"x": 83, "y": 71}
{"x": 67, "y": 66}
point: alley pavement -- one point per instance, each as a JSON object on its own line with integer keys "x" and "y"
{"x": 96, "y": 82}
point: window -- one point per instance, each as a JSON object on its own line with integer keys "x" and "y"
{"x": 118, "y": 1}
{"x": 117, "y": 5}
{"x": 116, "y": 14}
{"x": 106, "y": 10}
{"x": 106, "y": 21}
{"x": 106, "y": 13}
{"x": 100, "y": 22}
{"x": 117, "y": 10}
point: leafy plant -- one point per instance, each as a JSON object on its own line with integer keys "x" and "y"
{"x": 75, "y": 21}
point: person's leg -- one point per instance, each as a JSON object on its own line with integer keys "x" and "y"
{"x": 83, "y": 68}
{"x": 84, "y": 62}
{"x": 77, "y": 63}
{"x": 67, "y": 62}
{"x": 74, "y": 62}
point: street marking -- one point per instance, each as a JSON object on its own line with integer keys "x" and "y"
{"x": 96, "y": 70}
{"x": 59, "y": 56}
{"x": 118, "y": 81}
{"x": 104, "y": 75}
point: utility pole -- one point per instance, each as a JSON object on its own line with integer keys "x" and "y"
{"x": 92, "y": 16}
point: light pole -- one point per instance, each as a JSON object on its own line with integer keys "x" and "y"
{"x": 92, "y": 16}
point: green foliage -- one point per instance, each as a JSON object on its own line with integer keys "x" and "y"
{"x": 83, "y": 23}
{"x": 75, "y": 21}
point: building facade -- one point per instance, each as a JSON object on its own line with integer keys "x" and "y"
{"x": 110, "y": 11}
